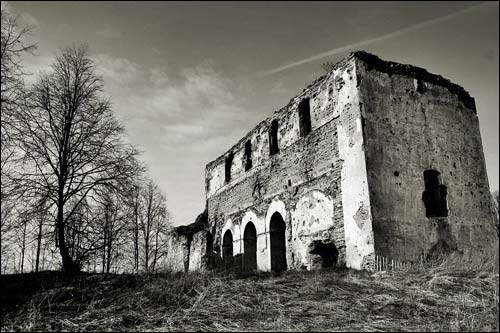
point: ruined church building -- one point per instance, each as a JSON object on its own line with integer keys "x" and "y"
{"x": 373, "y": 158}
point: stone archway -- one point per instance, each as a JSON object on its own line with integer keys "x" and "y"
{"x": 227, "y": 245}
{"x": 250, "y": 247}
{"x": 227, "y": 249}
{"x": 277, "y": 229}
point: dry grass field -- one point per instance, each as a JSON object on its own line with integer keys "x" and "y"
{"x": 442, "y": 296}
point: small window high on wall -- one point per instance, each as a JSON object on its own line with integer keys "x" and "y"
{"x": 304, "y": 117}
{"x": 273, "y": 138}
{"x": 229, "y": 162}
{"x": 248, "y": 155}
{"x": 435, "y": 195}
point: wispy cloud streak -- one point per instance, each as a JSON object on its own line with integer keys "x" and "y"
{"x": 349, "y": 47}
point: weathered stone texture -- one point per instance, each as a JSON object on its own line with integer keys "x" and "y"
{"x": 197, "y": 250}
{"x": 412, "y": 125}
{"x": 176, "y": 254}
{"x": 352, "y": 187}
{"x": 303, "y": 181}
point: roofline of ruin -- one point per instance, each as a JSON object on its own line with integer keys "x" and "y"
{"x": 372, "y": 62}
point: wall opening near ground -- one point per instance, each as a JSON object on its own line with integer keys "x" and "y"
{"x": 277, "y": 230}
{"x": 227, "y": 249}
{"x": 326, "y": 253}
{"x": 250, "y": 247}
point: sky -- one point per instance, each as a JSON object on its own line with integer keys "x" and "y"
{"x": 188, "y": 80}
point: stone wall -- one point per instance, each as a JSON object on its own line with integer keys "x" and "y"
{"x": 187, "y": 246}
{"x": 177, "y": 253}
{"x": 415, "y": 121}
{"x": 197, "y": 250}
{"x": 353, "y": 186}
{"x": 303, "y": 182}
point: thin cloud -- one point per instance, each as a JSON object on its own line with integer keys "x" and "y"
{"x": 349, "y": 47}
{"x": 180, "y": 120}
{"x": 109, "y": 33}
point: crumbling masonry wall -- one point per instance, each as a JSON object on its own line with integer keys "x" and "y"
{"x": 317, "y": 183}
{"x": 416, "y": 121}
{"x": 350, "y": 184}
{"x": 188, "y": 246}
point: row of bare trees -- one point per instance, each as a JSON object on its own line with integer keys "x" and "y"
{"x": 71, "y": 185}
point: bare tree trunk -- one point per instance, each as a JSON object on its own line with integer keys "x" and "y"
{"x": 146, "y": 254}
{"x": 155, "y": 259}
{"x": 23, "y": 246}
{"x": 43, "y": 256}
{"x": 14, "y": 264}
{"x": 69, "y": 265}
{"x": 136, "y": 235}
{"x": 108, "y": 261}
{"x": 104, "y": 253}
{"x": 39, "y": 243}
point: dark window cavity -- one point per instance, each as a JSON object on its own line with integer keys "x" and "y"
{"x": 420, "y": 86}
{"x": 229, "y": 162}
{"x": 248, "y": 155}
{"x": 273, "y": 138}
{"x": 434, "y": 196}
{"x": 304, "y": 117}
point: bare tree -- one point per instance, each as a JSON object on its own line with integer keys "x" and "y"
{"x": 72, "y": 144}
{"x": 153, "y": 222}
{"x": 115, "y": 217}
{"x": 12, "y": 49}
{"x": 13, "y": 46}
{"x": 161, "y": 229}
{"x": 133, "y": 202}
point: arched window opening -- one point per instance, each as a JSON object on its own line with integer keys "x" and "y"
{"x": 229, "y": 162}
{"x": 435, "y": 195}
{"x": 304, "y": 117}
{"x": 273, "y": 138}
{"x": 248, "y": 155}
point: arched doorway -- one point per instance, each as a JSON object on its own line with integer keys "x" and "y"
{"x": 227, "y": 248}
{"x": 277, "y": 229}
{"x": 227, "y": 244}
{"x": 250, "y": 247}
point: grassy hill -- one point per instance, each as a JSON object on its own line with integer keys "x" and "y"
{"x": 440, "y": 298}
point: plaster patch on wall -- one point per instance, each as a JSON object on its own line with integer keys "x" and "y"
{"x": 312, "y": 219}
{"x": 362, "y": 215}
{"x": 355, "y": 195}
